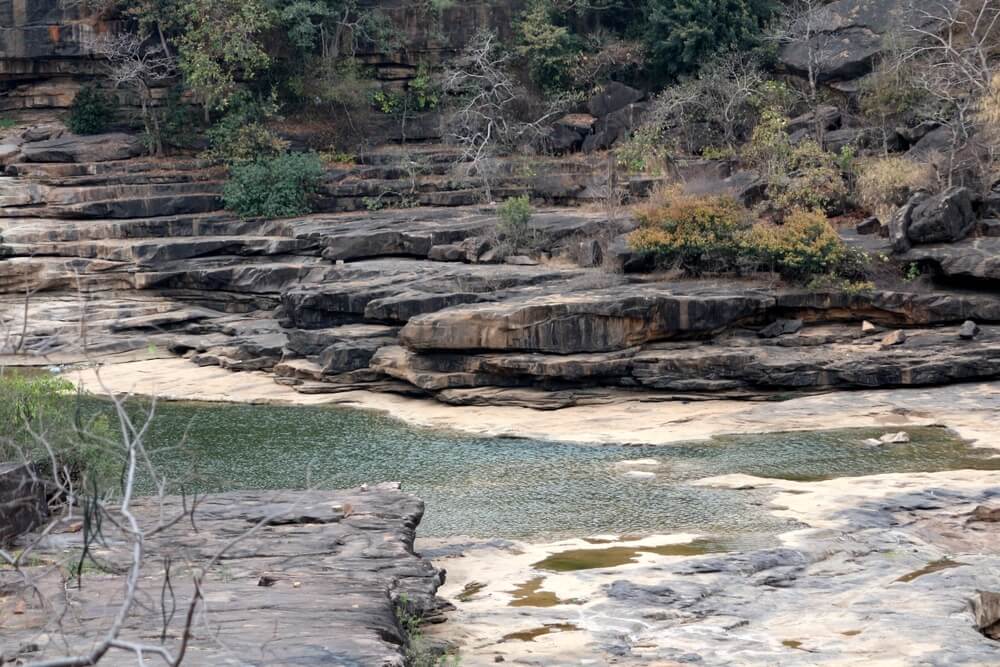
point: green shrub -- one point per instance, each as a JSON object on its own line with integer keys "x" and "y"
{"x": 814, "y": 182}
{"x": 515, "y": 222}
{"x": 696, "y": 233}
{"x": 242, "y": 135}
{"x": 179, "y": 121}
{"x": 274, "y": 187}
{"x": 42, "y": 409}
{"x": 423, "y": 90}
{"x": 683, "y": 34}
{"x": 90, "y": 112}
{"x": 643, "y": 152}
{"x": 7, "y": 123}
{"x": 770, "y": 149}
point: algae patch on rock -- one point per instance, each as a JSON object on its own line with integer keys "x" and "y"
{"x": 588, "y": 559}
{"x": 529, "y": 594}
{"x": 930, "y": 568}
{"x": 534, "y": 633}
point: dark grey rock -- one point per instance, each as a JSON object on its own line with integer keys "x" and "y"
{"x": 939, "y": 140}
{"x": 612, "y": 97}
{"x": 614, "y": 127}
{"x": 93, "y": 148}
{"x": 988, "y": 227}
{"x": 851, "y": 35}
{"x": 870, "y": 225}
{"x": 942, "y": 218}
{"x": 780, "y": 328}
{"x": 969, "y": 330}
{"x": 22, "y": 501}
{"x": 825, "y": 115}
{"x": 912, "y": 135}
{"x": 560, "y": 139}
{"x": 835, "y": 140}
{"x": 451, "y": 252}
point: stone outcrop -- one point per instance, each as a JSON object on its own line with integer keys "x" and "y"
{"x": 427, "y": 301}
{"x": 848, "y": 35}
{"x": 94, "y": 148}
{"x": 595, "y": 321}
{"x": 319, "y": 582}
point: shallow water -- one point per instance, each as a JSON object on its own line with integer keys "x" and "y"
{"x": 527, "y": 489}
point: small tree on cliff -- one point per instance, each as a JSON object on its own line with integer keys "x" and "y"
{"x": 138, "y": 65}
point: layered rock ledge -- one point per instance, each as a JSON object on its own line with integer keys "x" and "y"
{"x": 318, "y": 583}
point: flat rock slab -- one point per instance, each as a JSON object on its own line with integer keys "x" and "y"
{"x": 316, "y": 584}
{"x": 93, "y": 148}
{"x": 593, "y": 321}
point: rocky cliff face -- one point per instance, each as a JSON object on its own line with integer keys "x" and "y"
{"x": 43, "y": 58}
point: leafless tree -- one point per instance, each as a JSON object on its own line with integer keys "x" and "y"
{"x": 804, "y": 26}
{"x": 138, "y": 64}
{"x": 721, "y": 96}
{"x": 954, "y": 55}
{"x": 485, "y": 120}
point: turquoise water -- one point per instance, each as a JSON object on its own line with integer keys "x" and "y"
{"x": 528, "y": 489}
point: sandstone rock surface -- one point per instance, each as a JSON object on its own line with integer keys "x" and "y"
{"x": 317, "y": 583}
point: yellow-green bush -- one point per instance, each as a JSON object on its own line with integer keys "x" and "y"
{"x": 700, "y": 233}
{"x": 694, "y": 232}
{"x": 41, "y": 420}
{"x": 885, "y": 183}
{"x": 804, "y": 245}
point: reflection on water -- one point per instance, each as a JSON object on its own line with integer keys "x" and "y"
{"x": 490, "y": 487}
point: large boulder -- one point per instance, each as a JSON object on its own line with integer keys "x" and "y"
{"x": 615, "y": 127}
{"x": 850, "y": 34}
{"x": 943, "y": 218}
{"x": 612, "y": 97}
{"x": 94, "y": 148}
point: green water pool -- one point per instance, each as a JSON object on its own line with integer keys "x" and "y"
{"x": 527, "y": 489}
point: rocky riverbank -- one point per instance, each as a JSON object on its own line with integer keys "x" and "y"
{"x": 118, "y": 254}
{"x": 887, "y": 570}
{"x": 321, "y": 581}
{"x": 969, "y": 409}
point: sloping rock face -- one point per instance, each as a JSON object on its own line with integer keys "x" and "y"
{"x": 849, "y": 34}
{"x": 44, "y": 59}
{"x": 976, "y": 259}
{"x": 318, "y": 583}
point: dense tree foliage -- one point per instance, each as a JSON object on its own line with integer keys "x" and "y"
{"x": 683, "y": 34}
